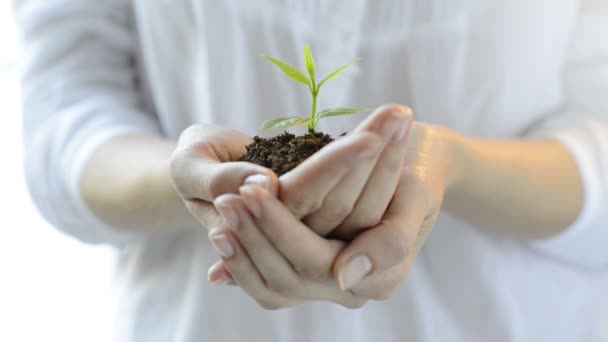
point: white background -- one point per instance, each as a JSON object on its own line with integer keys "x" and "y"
{"x": 52, "y": 288}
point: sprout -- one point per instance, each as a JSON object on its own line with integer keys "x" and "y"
{"x": 310, "y": 82}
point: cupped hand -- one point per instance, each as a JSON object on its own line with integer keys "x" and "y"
{"x": 277, "y": 260}
{"x": 272, "y": 255}
{"x": 333, "y": 194}
{"x": 205, "y": 165}
{"x": 347, "y": 186}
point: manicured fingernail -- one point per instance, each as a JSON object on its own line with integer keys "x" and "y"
{"x": 354, "y": 272}
{"x": 223, "y": 281}
{"x": 259, "y": 180}
{"x": 252, "y": 202}
{"x": 215, "y": 275}
{"x": 221, "y": 244}
{"x": 228, "y": 213}
{"x": 404, "y": 127}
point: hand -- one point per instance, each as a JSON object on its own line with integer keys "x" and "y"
{"x": 280, "y": 263}
{"x": 334, "y": 195}
{"x": 390, "y": 248}
{"x": 352, "y": 195}
{"x": 259, "y": 243}
{"x": 330, "y": 165}
{"x": 204, "y": 166}
{"x": 349, "y": 183}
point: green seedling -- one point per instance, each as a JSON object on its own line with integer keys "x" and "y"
{"x": 314, "y": 87}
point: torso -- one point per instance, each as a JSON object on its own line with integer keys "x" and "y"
{"x": 481, "y": 67}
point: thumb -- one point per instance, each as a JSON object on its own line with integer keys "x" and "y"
{"x": 206, "y": 180}
{"x": 375, "y": 251}
{"x": 390, "y": 243}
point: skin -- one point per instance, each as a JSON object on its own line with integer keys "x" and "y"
{"x": 540, "y": 195}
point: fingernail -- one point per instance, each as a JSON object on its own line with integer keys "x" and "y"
{"x": 228, "y": 213}
{"x": 221, "y": 279}
{"x": 221, "y": 244}
{"x": 354, "y": 272}
{"x": 252, "y": 202}
{"x": 260, "y": 180}
{"x": 404, "y": 128}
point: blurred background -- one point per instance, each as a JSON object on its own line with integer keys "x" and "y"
{"x": 52, "y": 288}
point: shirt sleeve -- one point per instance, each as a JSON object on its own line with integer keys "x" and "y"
{"x": 582, "y": 126}
{"x": 79, "y": 90}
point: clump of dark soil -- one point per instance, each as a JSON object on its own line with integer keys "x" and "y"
{"x": 284, "y": 152}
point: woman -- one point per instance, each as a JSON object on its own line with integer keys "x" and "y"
{"x": 120, "y": 97}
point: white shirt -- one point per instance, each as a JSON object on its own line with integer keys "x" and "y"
{"x": 503, "y": 69}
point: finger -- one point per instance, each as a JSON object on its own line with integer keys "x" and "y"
{"x": 204, "y": 165}
{"x": 304, "y": 188}
{"x": 387, "y": 245}
{"x": 383, "y": 284}
{"x": 276, "y": 271}
{"x": 204, "y": 212}
{"x": 381, "y": 185}
{"x": 219, "y": 274}
{"x": 391, "y": 123}
{"x": 309, "y": 254}
{"x": 206, "y": 180}
{"x": 243, "y": 271}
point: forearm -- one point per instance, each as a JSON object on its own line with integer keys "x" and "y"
{"x": 525, "y": 188}
{"x": 127, "y": 184}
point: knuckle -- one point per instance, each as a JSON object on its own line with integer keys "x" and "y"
{"x": 178, "y": 167}
{"x": 301, "y": 206}
{"x": 282, "y": 287}
{"x": 315, "y": 205}
{"x": 330, "y": 216}
{"x": 367, "y": 220}
{"x": 309, "y": 272}
{"x": 210, "y": 185}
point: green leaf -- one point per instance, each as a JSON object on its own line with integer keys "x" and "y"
{"x": 339, "y": 112}
{"x": 290, "y": 71}
{"x": 310, "y": 64}
{"x": 336, "y": 73}
{"x": 283, "y": 123}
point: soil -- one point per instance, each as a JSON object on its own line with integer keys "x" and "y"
{"x": 284, "y": 152}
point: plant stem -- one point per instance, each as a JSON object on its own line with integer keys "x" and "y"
{"x": 313, "y": 114}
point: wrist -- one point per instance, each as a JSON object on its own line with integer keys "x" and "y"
{"x": 459, "y": 159}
